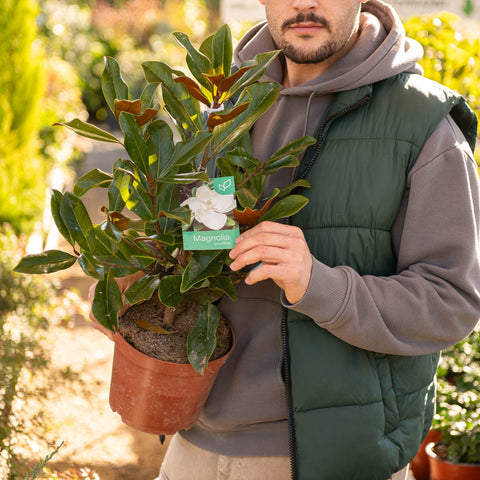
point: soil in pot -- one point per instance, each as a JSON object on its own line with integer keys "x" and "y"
{"x": 173, "y": 347}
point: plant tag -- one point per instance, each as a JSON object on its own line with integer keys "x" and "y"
{"x": 213, "y": 225}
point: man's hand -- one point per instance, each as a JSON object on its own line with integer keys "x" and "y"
{"x": 123, "y": 284}
{"x": 284, "y": 254}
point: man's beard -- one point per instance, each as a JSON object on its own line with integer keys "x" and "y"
{"x": 299, "y": 55}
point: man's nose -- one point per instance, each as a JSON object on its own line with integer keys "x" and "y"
{"x": 305, "y": 5}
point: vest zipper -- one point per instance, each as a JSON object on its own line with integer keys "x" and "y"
{"x": 286, "y": 351}
{"x": 360, "y": 103}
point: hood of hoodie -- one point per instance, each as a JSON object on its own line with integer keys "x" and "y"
{"x": 381, "y": 51}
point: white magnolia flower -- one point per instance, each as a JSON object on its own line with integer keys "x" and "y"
{"x": 209, "y": 207}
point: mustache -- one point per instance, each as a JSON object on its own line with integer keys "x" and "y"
{"x": 306, "y": 18}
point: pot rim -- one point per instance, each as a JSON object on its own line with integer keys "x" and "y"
{"x": 432, "y": 454}
{"x": 141, "y": 358}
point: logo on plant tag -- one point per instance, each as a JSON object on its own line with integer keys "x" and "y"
{"x": 212, "y": 226}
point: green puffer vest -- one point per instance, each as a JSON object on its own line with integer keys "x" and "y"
{"x": 356, "y": 414}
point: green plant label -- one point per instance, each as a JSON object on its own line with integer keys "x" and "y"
{"x": 213, "y": 226}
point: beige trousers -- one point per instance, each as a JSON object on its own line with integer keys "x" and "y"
{"x": 184, "y": 461}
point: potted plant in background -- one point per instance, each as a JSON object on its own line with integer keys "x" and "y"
{"x": 456, "y": 455}
{"x": 174, "y": 210}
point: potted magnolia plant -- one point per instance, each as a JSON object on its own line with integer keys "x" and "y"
{"x": 457, "y": 420}
{"x": 188, "y": 186}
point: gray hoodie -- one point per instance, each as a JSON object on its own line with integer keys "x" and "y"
{"x": 432, "y": 302}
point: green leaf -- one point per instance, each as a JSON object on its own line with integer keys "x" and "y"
{"x": 201, "y": 340}
{"x": 142, "y": 289}
{"x": 286, "y": 207}
{"x": 91, "y": 266}
{"x": 135, "y": 143}
{"x": 181, "y": 214}
{"x": 45, "y": 262}
{"x": 293, "y": 148}
{"x": 286, "y": 190}
{"x": 222, "y": 51}
{"x": 113, "y": 85}
{"x": 76, "y": 219}
{"x": 89, "y": 131}
{"x": 55, "y": 203}
{"x": 197, "y": 62}
{"x": 225, "y": 285}
{"x": 247, "y": 197}
{"x": 259, "y": 66}
{"x": 178, "y": 102}
{"x": 148, "y": 96}
{"x": 241, "y": 158}
{"x": 281, "y": 162}
{"x": 115, "y": 200}
{"x": 186, "y": 178}
{"x": 201, "y": 61}
{"x": 136, "y": 198}
{"x": 185, "y": 152}
{"x": 203, "y": 264}
{"x": 262, "y": 96}
{"x": 160, "y": 143}
{"x": 107, "y": 301}
{"x": 169, "y": 291}
{"x": 94, "y": 178}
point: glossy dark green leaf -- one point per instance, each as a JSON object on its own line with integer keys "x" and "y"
{"x": 285, "y": 207}
{"x": 91, "y": 266}
{"x": 186, "y": 178}
{"x": 225, "y": 285}
{"x": 247, "y": 197}
{"x": 77, "y": 220}
{"x": 160, "y": 144}
{"x": 135, "y": 143}
{"x": 293, "y": 148}
{"x": 197, "y": 62}
{"x": 203, "y": 62}
{"x": 222, "y": 51}
{"x": 169, "y": 291}
{"x": 185, "y": 152}
{"x": 203, "y": 264}
{"x": 107, "y": 301}
{"x": 45, "y": 262}
{"x": 178, "y": 102}
{"x": 259, "y": 66}
{"x": 286, "y": 190}
{"x": 261, "y": 96}
{"x": 89, "y": 131}
{"x": 228, "y": 169}
{"x": 93, "y": 179}
{"x": 115, "y": 200}
{"x": 241, "y": 158}
{"x": 201, "y": 340}
{"x": 279, "y": 163}
{"x": 113, "y": 85}
{"x": 142, "y": 289}
{"x": 55, "y": 203}
{"x": 148, "y": 96}
{"x": 136, "y": 198}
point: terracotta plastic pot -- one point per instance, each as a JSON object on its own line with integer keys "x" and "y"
{"x": 155, "y": 396}
{"x": 420, "y": 466}
{"x": 444, "y": 470}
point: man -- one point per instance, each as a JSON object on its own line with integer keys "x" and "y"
{"x": 337, "y": 329}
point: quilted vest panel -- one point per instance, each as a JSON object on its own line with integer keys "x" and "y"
{"x": 361, "y": 415}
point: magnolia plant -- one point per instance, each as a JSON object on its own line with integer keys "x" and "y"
{"x": 164, "y": 186}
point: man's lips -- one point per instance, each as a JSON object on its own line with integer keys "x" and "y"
{"x": 306, "y": 28}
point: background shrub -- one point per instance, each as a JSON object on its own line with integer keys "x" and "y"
{"x": 21, "y": 89}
